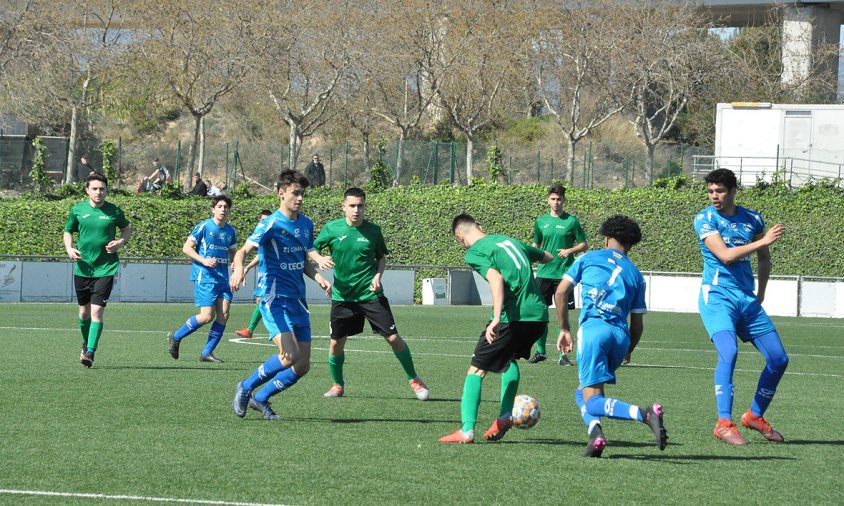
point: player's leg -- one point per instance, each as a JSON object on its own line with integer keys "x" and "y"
{"x": 83, "y": 287}
{"x": 204, "y": 298}
{"x": 336, "y": 359}
{"x": 564, "y": 359}
{"x": 345, "y": 320}
{"x": 769, "y": 344}
{"x": 380, "y": 318}
{"x": 253, "y": 322}
{"x": 470, "y": 402}
{"x": 100, "y": 292}
{"x": 222, "y": 306}
{"x": 547, "y": 287}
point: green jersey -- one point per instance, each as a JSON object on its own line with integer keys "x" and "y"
{"x": 554, "y": 233}
{"x": 97, "y": 227}
{"x": 512, "y": 259}
{"x": 355, "y": 251}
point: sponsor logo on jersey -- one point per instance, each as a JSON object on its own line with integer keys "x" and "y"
{"x": 340, "y": 239}
{"x": 362, "y": 239}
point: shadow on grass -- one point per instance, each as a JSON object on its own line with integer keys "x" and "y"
{"x": 828, "y": 442}
{"x": 364, "y": 420}
{"x": 685, "y": 459}
{"x": 166, "y": 367}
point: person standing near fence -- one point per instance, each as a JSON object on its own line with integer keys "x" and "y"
{"x": 95, "y": 255}
{"x": 315, "y": 172}
{"x": 728, "y": 234}
{"x": 560, "y": 234}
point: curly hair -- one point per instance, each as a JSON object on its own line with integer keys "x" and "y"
{"x": 722, "y": 176}
{"x": 622, "y": 229}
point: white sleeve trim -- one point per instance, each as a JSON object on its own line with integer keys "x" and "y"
{"x": 640, "y": 310}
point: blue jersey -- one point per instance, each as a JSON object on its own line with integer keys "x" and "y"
{"x": 736, "y": 230}
{"x": 284, "y": 245}
{"x": 612, "y": 286}
{"x": 213, "y": 241}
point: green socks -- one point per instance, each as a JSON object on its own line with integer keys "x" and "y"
{"x": 509, "y": 389}
{"x": 335, "y": 367}
{"x": 94, "y": 335}
{"x": 406, "y": 362}
{"x": 256, "y": 317}
{"x": 470, "y": 402}
{"x": 85, "y": 328}
{"x": 540, "y": 344}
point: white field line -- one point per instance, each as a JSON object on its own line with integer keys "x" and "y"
{"x": 49, "y": 493}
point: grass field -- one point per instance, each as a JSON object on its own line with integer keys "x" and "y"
{"x": 141, "y": 427}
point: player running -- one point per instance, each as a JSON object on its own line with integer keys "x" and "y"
{"x": 210, "y": 245}
{"x": 285, "y": 239}
{"x": 260, "y": 284}
{"x": 359, "y": 256}
{"x": 612, "y": 288}
{"x": 728, "y": 234}
{"x": 518, "y": 318}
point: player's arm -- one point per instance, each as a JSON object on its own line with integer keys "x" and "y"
{"x": 312, "y": 273}
{"x": 237, "y": 278}
{"x": 324, "y": 262}
{"x": 252, "y": 263}
{"x": 715, "y": 244}
{"x": 574, "y": 250}
{"x": 125, "y": 234}
{"x": 72, "y": 252}
{"x": 637, "y": 326}
{"x": 189, "y": 249}
{"x": 496, "y": 289}
{"x": 763, "y": 272}
{"x": 561, "y": 297}
{"x": 380, "y": 266}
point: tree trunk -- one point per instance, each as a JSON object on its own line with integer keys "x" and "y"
{"x": 469, "y": 147}
{"x": 71, "y": 148}
{"x": 194, "y": 147}
{"x": 295, "y": 144}
{"x": 571, "y": 144}
{"x": 366, "y": 152}
{"x": 201, "y": 163}
{"x": 649, "y": 164}
{"x": 400, "y": 154}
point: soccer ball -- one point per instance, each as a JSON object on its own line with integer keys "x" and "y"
{"x": 525, "y": 412}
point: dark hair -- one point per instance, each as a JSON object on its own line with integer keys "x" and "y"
{"x": 217, "y": 198}
{"x": 95, "y": 176}
{"x": 156, "y": 159}
{"x": 558, "y": 189}
{"x": 84, "y": 155}
{"x": 264, "y": 213}
{"x": 289, "y": 177}
{"x": 461, "y": 220}
{"x": 622, "y": 229}
{"x": 722, "y": 176}
{"x": 354, "y": 192}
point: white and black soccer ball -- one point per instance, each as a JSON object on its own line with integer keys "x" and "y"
{"x": 525, "y": 412}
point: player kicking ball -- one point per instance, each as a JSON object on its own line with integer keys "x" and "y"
{"x": 613, "y": 288}
{"x": 359, "y": 257}
{"x": 519, "y": 317}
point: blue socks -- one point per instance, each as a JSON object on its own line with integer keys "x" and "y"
{"x": 187, "y": 329}
{"x": 770, "y": 346}
{"x": 589, "y": 420}
{"x": 599, "y": 406}
{"x": 263, "y": 373}
{"x": 282, "y": 381}
{"x": 214, "y": 337}
{"x": 727, "y": 349}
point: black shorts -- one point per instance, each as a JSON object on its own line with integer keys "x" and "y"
{"x": 514, "y": 342}
{"x": 547, "y": 287}
{"x": 93, "y": 290}
{"x": 347, "y": 317}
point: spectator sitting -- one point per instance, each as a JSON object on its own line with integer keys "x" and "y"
{"x": 160, "y": 175}
{"x": 199, "y": 187}
{"x": 214, "y": 191}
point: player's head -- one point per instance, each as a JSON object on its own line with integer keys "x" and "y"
{"x": 265, "y": 213}
{"x": 96, "y": 187}
{"x": 622, "y": 230}
{"x": 291, "y": 187}
{"x": 354, "y": 203}
{"x": 465, "y": 229}
{"x": 721, "y": 187}
{"x": 220, "y": 207}
{"x": 556, "y": 197}
{"x": 291, "y": 177}
{"x": 725, "y": 177}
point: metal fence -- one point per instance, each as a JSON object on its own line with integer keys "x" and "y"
{"x": 433, "y": 162}
{"x": 751, "y": 170}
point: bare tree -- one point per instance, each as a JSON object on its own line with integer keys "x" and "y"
{"x": 574, "y": 59}
{"x": 201, "y": 51}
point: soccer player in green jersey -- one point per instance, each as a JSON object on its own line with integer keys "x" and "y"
{"x": 359, "y": 256}
{"x": 95, "y": 256}
{"x": 519, "y": 317}
{"x": 560, "y": 234}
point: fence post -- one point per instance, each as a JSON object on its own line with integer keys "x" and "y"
{"x": 451, "y": 162}
{"x": 591, "y": 162}
{"x": 538, "y": 162}
{"x": 626, "y": 171}
{"x": 346, "y": 165}
{"x": 119, "y": 160}
{"x": 552, "y": 169}
{"x": 228, "y": 162}
{"x": 436, "y": 167}
{"x": 235, "y": 159}
{"x": 178, "y": 160}
{"x": 510, "y": 170}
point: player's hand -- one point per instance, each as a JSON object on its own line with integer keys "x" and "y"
{"x": 325, "y": 285}
{"x": 773, "y": 234}
{"x": 564, "y": 341}
{"x": 237, "y": 279}
{"x": 492, "y": 330}
{"x": 325, "y": 263}
{"x": 74, "y": 254}
{"x": 113, "y": 246}
{"x": 209, "y": 262}
{"x": 760, "y": 297}
{"x": 563, "y": 253}
{"x": 375, "y": 286}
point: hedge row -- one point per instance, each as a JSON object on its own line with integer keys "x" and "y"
{"x": 417, "y": 219}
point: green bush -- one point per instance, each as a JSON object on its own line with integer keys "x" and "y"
{"x": 416, "y": 221}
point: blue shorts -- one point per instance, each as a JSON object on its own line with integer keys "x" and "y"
{"x": 733, "y": 310}
{"x": 600, "y": 349}
{"x": 283, "y": 314}
{"x": 206, "y": 294}
{"x": 260, "y": 286}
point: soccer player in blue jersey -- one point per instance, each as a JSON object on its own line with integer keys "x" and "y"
{"x": 210, "y": 246}
{"x": 286, "y": 241}
{"x": 728, "y": 234}
{"x": 613, "y": 288}
{"x": 259, "y": 286}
